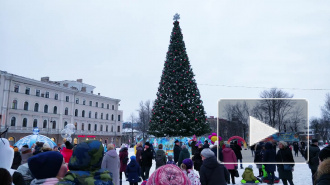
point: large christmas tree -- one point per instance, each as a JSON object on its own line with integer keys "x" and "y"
{"x": 178, "y": 109}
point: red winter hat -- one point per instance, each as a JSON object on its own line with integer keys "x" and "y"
{"x": 168, "y": 175}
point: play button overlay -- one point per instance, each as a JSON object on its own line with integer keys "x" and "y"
{"x": 248, "y": 125}
{"x": 259, "y": 130}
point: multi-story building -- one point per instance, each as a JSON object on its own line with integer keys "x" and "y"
{"x": 51, "y": 105}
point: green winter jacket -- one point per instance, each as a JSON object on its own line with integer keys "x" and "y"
{"x": 248, "y": 175}
{"x": 184, "y": 154}
{"x": 85, "y": 166}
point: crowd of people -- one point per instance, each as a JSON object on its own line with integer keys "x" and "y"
{"x": 88, "y": 163}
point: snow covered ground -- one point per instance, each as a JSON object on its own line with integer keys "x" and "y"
{"x": 301, "y": 174}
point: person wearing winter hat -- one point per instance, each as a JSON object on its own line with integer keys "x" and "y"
{"x": 67, "y": 151}
{"x": 123, "y": 157}
{"x": 229, "y": 158}
{"x": 212, "y": 172}
{"x": 248, "y": 176}
{"x": 324, "y": 154}
{"x": 111, "y": 162}
{"x": 45, "y": 167}
{"x": 176, "y": 151}
{"x": 269, "y": 160}
{"x": 323, "y": 171}
{"x": 46, "y": 148}
{"x": 160, "y": 176}
{"x": 186, "y": 167}
{"x": 192, "y": 143}
{"x": 313, "y": 161}
{"x": 197, "y": 158}
{"x": 146, "y": 161}
{"x": 184, "y": 154}
{"x": 170, "y": 160}
{"x": 37, "y": 147}
{"x": 6, "y": 160}
{"x": 133, "y": 171}
{"x": 85, "y": 165}
{"x": 206, "y": 144}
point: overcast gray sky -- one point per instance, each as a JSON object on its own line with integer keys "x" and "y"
{"x": 120, "y": 46}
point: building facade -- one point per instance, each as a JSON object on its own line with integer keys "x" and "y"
{"x": 51, "y": 105}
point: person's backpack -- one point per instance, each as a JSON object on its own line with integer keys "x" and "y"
{"x": 159, "y": 159}
{"x": 125, "y": 160}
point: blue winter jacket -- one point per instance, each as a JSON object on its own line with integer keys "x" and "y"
{"x": 269, "y": 157}
{"x": 133, "y": 171}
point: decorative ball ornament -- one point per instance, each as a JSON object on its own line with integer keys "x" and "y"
{"x": 176, "y": 81}
{"x": 195, "y": 119}
{"x": 162, "y": 106}
{"x": 197, "y": 106}
{"x": 181, "y": 105}
{"x": 35, "y": 131}
{"x": 177, "y": 119}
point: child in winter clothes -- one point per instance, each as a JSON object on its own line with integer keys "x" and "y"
{"x": 186, "y": 167}
{"x": 248, "y": 176}
{"x": 170, "y": 160}
{"x": 47, "y": 167}
{"x": 133, "y": 171}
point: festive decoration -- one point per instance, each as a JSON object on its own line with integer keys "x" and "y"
{"x": 213, "y": 137}
{"x": 177, "y": 85}
{"x": 68, "y": 130}
{"x": 239, "y": 139}
{"x": 32, "y": 139}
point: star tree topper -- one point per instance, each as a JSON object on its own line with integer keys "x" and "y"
{"x": 176, "y": 17}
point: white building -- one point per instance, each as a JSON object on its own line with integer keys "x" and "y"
{"x": 49, "y": 105}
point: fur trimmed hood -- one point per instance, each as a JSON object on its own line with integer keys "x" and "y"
{"x": 324, "y": 168}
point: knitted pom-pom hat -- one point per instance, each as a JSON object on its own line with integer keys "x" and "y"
{"x": 168, "y": 175}
{"x": 188, "y": 162}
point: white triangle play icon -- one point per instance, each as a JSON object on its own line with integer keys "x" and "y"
{"x": 259, "y": 130}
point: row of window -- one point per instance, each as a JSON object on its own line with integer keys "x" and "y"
{"x": 67, "y": 98}
{"x": 35, "y": 123}
{"x": 90, "y": 114}
{"x": 36, "y": 107}
{"x": 53, "y": 125}
{"x": 66, "y": 111}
